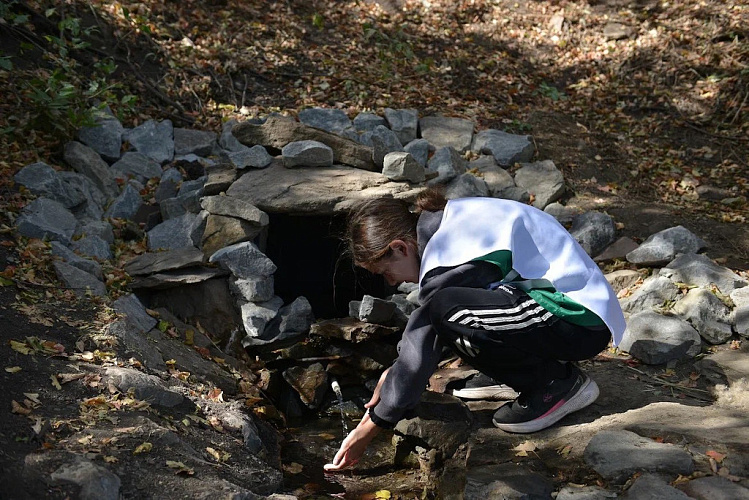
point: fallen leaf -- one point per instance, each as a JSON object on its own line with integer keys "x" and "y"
{"x": 220, "y": 456}
{"x": 327, "y": 436}
{"x": 17, "y": 407}
{"x": 110, "y": 459}
{"x": 384, "y": 494}
{"x": 216, "y": 394}
{"x": 55, "y": 382}
{"x": 293, "y": 468}
{"x": 33, "y": 397}
{"x": 718, "y": 457}
{"x": 20, "y": 347}
{"x": 69, "y": 377}
{"x": 564, "y": 450}
{"x": 144, "y": 447}
{"x": 181, "y": 468}
{"x": 189, "y": 337}
{"x": 12, "y": 369}
{"x": 85, "y": 440}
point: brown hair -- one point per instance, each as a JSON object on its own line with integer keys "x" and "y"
{"x": 373, "y": 224}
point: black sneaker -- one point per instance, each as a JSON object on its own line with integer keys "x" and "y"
{"x": 482, "y": 386}
{"x": 539, "y": 409}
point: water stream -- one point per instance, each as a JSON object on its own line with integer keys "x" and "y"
{"x": 337, "y": 389}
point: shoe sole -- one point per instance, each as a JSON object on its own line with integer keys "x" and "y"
{"x": 499, "y": 394}
{"x": 587, "y": 394}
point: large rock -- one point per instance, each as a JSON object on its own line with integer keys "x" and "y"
{"x": 105, "y": 137}
{"x": 255, "y": 317}
{"x": 147, "y": 388}
{"x": 330, "y": 120}
{"x": 134, "y": 312}
{"x": 95, "y": 481}
{"x": 277, "y": 132}
{"x": 177, "y": 278}
{"x": 506, "y": 481}
{"x": 291, "y": 321}
{"x": 43, "y": 180}
{"x": 499, "y": 181}
{"x": 310, "y": 383}
{"x": 419, "y": 149}
{"x": 662, "y": 247}
{"x": 86, "y": 161}
{"x": 654, "y": 292}
{"x": 79, "y": 281}
{"x": 401, "y": 166}
{"x": 254, "y": 157}
{"x": 699, "y": 270}
{"x": 541, "y": 179}
{"x": 314, "y": 191}
{"x": 155, "y": 140}
{"x": 137, "y": 166}
{"x": 404, "y": 122}
{"x": 714, "y": 488}
{"x": 307, "y": 154}
{"x": 384, "y": 141}
{"x": 375, "y": 310}
{"x": 182, "y": 231}
{"x": 252, "y": 289}
{"x": 466, "y": 186}
{"x": 617, "y": 454}
{"x": 221, "y": 231}
{"x": 219, "y": 178}
{"x": 92, "y": 246}
{"x": 653, "y": 486}
{"x": 234, "y": 207}
{"x": 126, "y": 205}
{"x": 244, "y": 260}
{"x": 150, "y": 263}
{"x": 227, "y": 140}
{"x": 447, "y": 163}
{"x": 168, "y": 185}
{"x": 443, "y": 131}
{"x": 594, "y": 231}
{"x": 707, "y": 314}
{"x": 190, "y": 141}
{"x": 43, "y": 218}
{"x": 366, "y": 122}
{"x": 507, "y": 149}
{"x": 656, "y": 339}
{"x": 90, "y": 266}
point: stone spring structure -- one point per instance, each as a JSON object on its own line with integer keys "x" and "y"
{"x": 209, "y": 203}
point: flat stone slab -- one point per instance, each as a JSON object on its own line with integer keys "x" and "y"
{"x": 43, "y": 218}
{"x": 79, "y": 281}
{"x": 155, "y": 262}
{"x": 314, "y": 191}
{"x": 351, "y": 329}
{"x": 180, "y": 277}
{"x": 147, "y": 388}
{"x": 699, "y": 270}
{"x": 443, "y": 131}
{"x": 663, "y": 246}
{"x": 507, "y": 149}
{"x": 655, "y": 339}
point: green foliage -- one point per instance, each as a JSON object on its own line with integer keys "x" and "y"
{"x": 518, "y": 127}
{"x": 66, "y": 98}
{"x": 551, "y": 92}
{"x": 392, "y": 50}
{"x": 318, "y": 21}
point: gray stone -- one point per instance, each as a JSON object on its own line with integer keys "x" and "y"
{"x": 707, "y": 314}
{"x": 136, "y": 166}
{"x": 565, "y": 215}
{"x": 740, "y": 321}
{"x": 96, "y": 482}
{"x": 92, "y": 246}
{"x": 402, "y": 303}
{"x": 617, "y": 454}
{"x": 714, "y": 488}
{"x": 310, "y": 383}
{"x": 170, "y": 179}
{"x": 234, "y": 419}
{"x": 375, "y": 310}
{"x": 617, "y": 250}
{"x": 655, "y": 339}
{"x": 404, "y": 122}
{"x": 366, "y": 122}
{"x": 499, "y": 182}
{"x": 465, "y": 186}
{"x": 315, "y": 191}
{"x": 150, "y": 263}
{"x": 190, "y": 141}
{"x": 353, "y": 309}
{"x": 623, "y": 278}
{"x": 584, "y": 493}
{"x": 699, "y": 270}
{"x": 278, "y": 131}
{"x": 331, "y": 120}
{"x": 507, "y": 149}
{"x": 653, "y": 487}
{"x": 292, "y": 320}
{"x": 134, "y": 312}
{"x": 447, "y": 163}
{"x": 100, "y": 228}
{"x": 441, "y": 422}
{"x": 654, "y": 292}
{"x": 43, "y": 218}
{"x": 177, "y": 278}
{"x": 616, "y": 31}
{"x": 255, "y": 317}
{"x": 91, "y": 210}
{"x": 254, "y": 157}
{"x": 234, "y": 207}
{"x": 190, "y": 193}
{"x": 147, "y": 388}
{"x": 133, "y": 343}
{"x": 218, "y": 178}
{"x": 86, "y": 161}
{"x": 221, "y": 231}
{"x": 419, "y": 149}
{"x": 443, "y": 131}
{"x": 79, "y": 281}
{"x": 506, "y": 481}
{"x": 307, "y": 154}
{"x": 244, "y": 260}
{"x": 171, "y": 208}
{"x": 67, "y": 255}
{"x": 740, "y": 296}
{"x": 183, "y": 231}
{"x": 541, "y": 179}
{"x": 252, "y": 289}
{"x": 227, "y": 140}
{"x": 366, "y": 139}
{"x": 43, "y": 180}
{"x": 401, "y": 166}
{"x": 662, "y": 247}
{"x": 384, "y": 141}
{"x": 155, "y": 140}
{"x": 126, "y": 205}
{"x": 594, "y": 231}
{"x": 105, "y": 137}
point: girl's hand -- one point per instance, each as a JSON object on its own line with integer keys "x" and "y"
{"x": 354, "y": 445}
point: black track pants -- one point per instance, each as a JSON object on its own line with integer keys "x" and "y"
{"x": 505, "y": 334}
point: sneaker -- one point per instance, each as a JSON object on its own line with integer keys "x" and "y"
{"x": 481, "y": 386}
{"x": 539, "y": 409}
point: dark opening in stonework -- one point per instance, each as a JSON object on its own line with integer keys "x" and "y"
{"x": 311, "y": 262}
